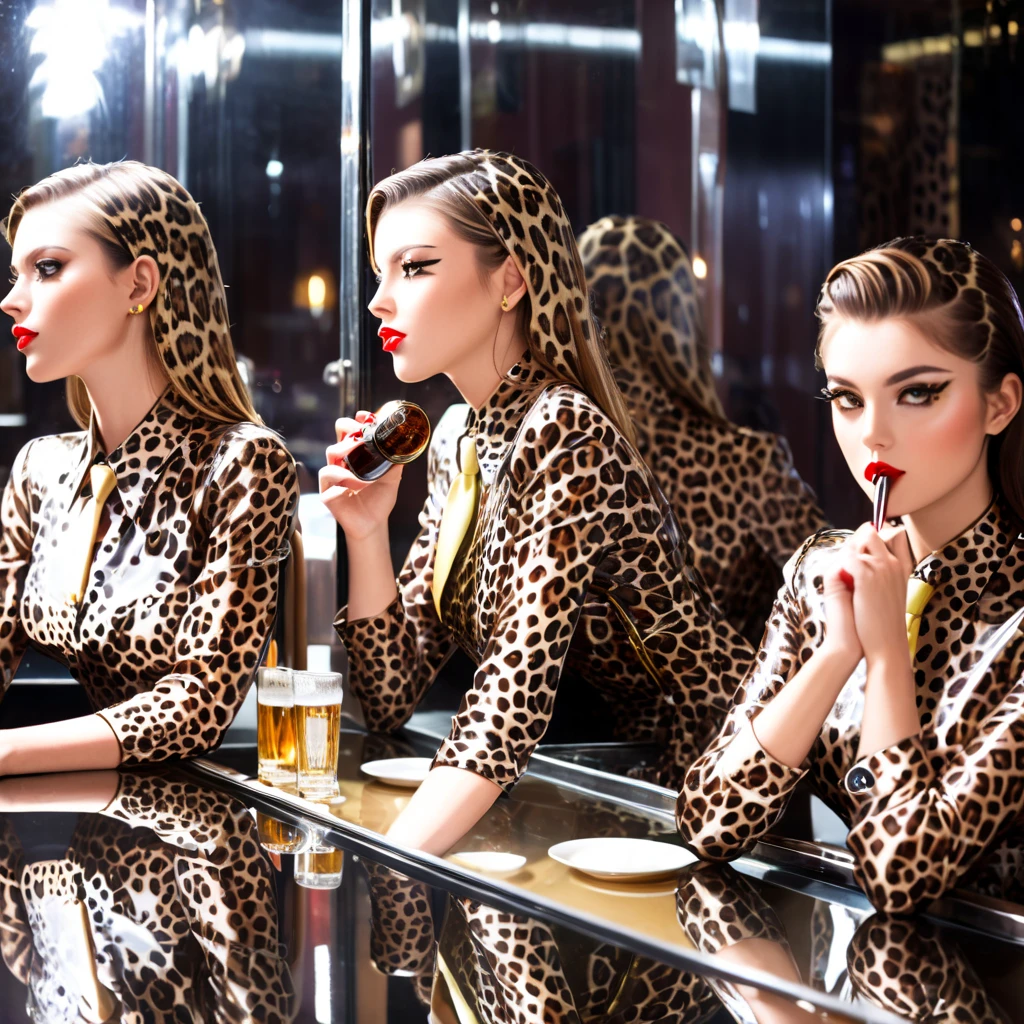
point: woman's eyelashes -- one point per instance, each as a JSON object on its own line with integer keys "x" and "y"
{"x": 913, "y": 394}
{"x": 43, "y": 269}
{"x": 414, "y": 268}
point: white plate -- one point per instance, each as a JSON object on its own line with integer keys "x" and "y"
{"x": 490, "y": 862}
{"x": 399, "y": 771}
{"x": 638, "y": 860}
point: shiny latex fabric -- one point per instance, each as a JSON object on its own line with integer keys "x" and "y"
{"x": 182, "y": 910}
{"x": 735, "y": 491}
{"x": 943, "y": 803}
{"x": 575, "y": 564}
{"x": 182, "y": 590}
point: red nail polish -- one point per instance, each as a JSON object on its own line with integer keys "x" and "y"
{"x": 847, "y": 579}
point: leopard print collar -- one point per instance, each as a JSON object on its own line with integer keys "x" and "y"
{"x": 498, "y": 418}
{"x": 975, "y": 555}
{"x": 138, "y": 460}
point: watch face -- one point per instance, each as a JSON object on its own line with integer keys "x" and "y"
{"x": 858, "y": 779}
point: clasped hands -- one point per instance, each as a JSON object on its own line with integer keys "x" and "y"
{"x": 870, "y": 620}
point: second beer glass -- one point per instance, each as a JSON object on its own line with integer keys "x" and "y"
{"x": 317, "y": 730}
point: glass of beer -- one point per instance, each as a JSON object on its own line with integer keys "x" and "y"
{"x": 279, "y": 836}
{"x": 317, "y": 730}
{"x": 275, "y": 725}
{"x": 319, "y": 865}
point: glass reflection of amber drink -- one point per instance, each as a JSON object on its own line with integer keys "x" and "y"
{"x": 278, "y": 836}
{"x": 317, "y": 731}
{"x": 275, "y": 725}
{"x": 399, "y": 433}
{"x": 319, "y": 867}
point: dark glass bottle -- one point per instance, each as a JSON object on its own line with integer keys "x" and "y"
{"x": 398, "y": 434}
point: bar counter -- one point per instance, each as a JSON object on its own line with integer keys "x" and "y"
{"x": 192, "y": 892}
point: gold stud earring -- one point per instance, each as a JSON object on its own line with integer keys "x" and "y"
{"x": 135, "y": 310}
{"x": 504, "y": 303}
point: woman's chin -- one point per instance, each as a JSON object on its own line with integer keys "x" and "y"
{"x": 408, "y": 372}
{"x": 40, "y": 373}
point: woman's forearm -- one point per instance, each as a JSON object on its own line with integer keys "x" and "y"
{"x": 371, "y": 576}
{"x": 890, "y": 704}
{"x": 77, "y": 744}
{"x": 445, "y": 807}
{"x": 792, "y": 720}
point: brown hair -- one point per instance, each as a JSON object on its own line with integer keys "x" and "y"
{"x": 135, "y": 210}
{"x": 962, "y": 301}
{"x": 479, "y": 207}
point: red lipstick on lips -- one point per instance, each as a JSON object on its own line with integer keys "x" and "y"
{"x": 391, "y": 338}
{"x": 874, "y": 469}
{"x": 882, "y": 475}
{"x": 24, "y": 336}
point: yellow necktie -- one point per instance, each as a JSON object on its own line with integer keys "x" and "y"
{"x": 918, "y": 595}
{"x": 457, "y": 518}
{"x": 103, "y": 479}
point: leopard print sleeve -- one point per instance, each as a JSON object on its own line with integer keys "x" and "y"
{"x": 556, "y": 534}
{"x": 917, "y": 831}
{"x": 729, "y": 800}
{"x": 248, "y": 500}
{"x": 15, "y": 555}
{"x": 15, "y": 930}
{"x": 790, "y": 512}
{"x": 393, "y": 657}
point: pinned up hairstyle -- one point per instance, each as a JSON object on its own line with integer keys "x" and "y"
{"x": 956, "y": 297}
{"x": 136, "y": 210}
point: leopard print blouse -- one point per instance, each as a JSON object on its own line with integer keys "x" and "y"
{"x": 735, "y": 491}
{"x": 181, "y": 905}
{"x": 575, "y": 563}
{"x": 183, "y": 585}
{"x": 943, "y": 801}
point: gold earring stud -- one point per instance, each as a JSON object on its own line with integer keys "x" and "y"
{"x": 135, "y": 310}
{"x": 504, "y": 303}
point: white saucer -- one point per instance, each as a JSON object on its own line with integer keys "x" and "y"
{"x": 638, "y": 860}
{"x": 399, "y": 771}
{"x": 490, "y": 862}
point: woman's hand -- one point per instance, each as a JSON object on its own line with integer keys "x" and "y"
{"x": 880, "y": 564}
{"x": 840, "y": 628}
{"x": 360, "y": 507}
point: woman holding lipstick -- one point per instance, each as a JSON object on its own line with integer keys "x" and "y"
{"x": 921, "y": 752}
{"x": 143, "y": 551}
{"x": 545, "y": 544}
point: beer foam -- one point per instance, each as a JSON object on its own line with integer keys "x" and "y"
{"x": 318, "y": 700}
{"x": 274, "y": 698}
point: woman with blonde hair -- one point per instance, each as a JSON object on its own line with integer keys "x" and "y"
{"x": 545, "y": 545}
{"x": 891, "y": 668}
{"x": 143, "y": 551}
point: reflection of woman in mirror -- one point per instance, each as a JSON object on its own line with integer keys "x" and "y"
{"x": 127, "y": 896}
{"x": 922, "y": 754}
{"x": 144, "y": 551}
{"x": 569, "y": 557}
{"x": 735, "y": 491}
